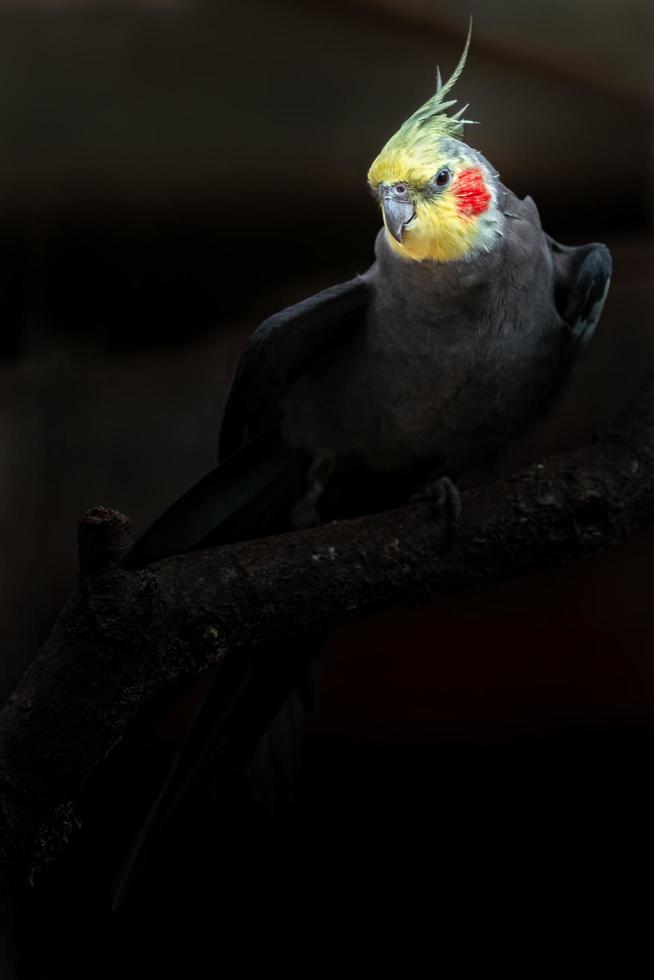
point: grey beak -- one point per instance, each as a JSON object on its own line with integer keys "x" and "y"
{"x": 398, "y": 212}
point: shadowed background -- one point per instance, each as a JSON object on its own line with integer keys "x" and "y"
{"x": 171, "y": 173}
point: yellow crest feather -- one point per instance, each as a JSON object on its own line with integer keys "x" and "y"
{"x": 427, "y": 123}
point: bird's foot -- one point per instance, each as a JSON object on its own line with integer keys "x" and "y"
{"x": 445, "y": 500}
{"x": 305, "y": 512}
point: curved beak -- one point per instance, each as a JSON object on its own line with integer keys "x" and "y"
{"x": 397, "y": 214}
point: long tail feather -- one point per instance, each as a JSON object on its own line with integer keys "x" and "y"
{"x": 251, "y": 698}
{"x": 245, "y": 496}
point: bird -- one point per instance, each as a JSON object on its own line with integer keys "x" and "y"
{"x": 454, "y": 342}
{"x": 397, "y": 383}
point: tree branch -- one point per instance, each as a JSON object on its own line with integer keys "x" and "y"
{"x": 126, "y": 635}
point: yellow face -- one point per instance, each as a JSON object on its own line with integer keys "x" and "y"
{"x": 436, "y": 205}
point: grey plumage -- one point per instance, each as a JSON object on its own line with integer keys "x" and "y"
{"x": 430, "y": 367}
{"x": 350, "y": 400}
{"x": 413, "y": 370}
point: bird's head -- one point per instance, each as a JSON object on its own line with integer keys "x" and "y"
{"x": 438, "y": 195}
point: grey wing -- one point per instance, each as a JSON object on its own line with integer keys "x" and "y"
{"x": 582, "y": 276}
{"x": 279, "y": 350}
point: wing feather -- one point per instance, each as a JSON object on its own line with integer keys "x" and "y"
{"x": 582, "y": 276}
{"x": 279, "y": 350}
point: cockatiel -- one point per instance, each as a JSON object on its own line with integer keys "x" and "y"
{"x": 455, "y": 341}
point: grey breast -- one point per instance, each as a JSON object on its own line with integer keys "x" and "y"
{"x": 453, "y": 359}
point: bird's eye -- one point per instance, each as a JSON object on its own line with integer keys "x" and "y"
{"x": 443, "y": 177}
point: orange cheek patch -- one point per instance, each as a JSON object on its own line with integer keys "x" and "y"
{"x": 472, "y": 195}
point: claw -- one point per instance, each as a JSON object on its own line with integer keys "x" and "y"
{"x": 304, "y": 513}
{"x": 445, "y": 499}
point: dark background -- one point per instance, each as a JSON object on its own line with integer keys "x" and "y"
{"x": 171, "y": 173}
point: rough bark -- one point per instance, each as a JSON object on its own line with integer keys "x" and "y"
{"x": 127, "y": 634}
